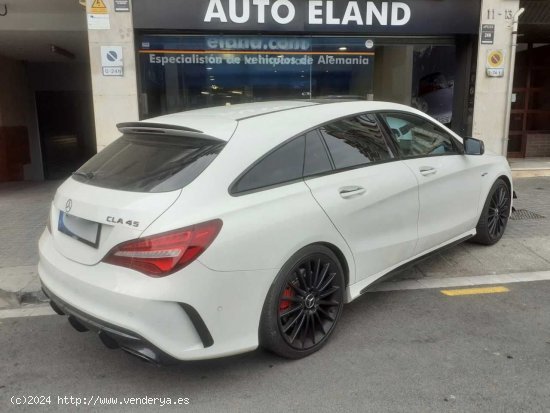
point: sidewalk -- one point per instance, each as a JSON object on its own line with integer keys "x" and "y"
{"x": 525, "y": 246}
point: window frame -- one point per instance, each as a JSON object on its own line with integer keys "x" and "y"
{"x": 232, "y": 187}
{"x": 395, "y": 154}
{"x": 327, "y": 152}
{"x": 316, "y": 129}
{"x": 459, "y": 147}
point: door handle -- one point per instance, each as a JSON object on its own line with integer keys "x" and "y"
{"x": 427, "y": 170}
{"x": 351, "y": 191}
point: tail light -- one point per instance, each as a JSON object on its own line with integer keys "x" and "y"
{"x": 161, "y": 255}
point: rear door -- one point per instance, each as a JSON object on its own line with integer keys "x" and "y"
{"x": 369, "y": 195}
{"x": 449, "y": 181}
{"x": 118, "y": 193}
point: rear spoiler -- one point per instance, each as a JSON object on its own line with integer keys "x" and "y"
{"x": 160, "y": 128}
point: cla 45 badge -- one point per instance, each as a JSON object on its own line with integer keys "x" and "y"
{"x": 130, "y": 223}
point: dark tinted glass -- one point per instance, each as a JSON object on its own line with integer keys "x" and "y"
{"x": 149, "y": 163}
{"x": 317, "y": 160}
{"x": 282, "y": 165}
{"x": 417, "y": 136}
{"x": 356, "y": 141}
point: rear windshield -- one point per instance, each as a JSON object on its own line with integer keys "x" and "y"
{"x": 149, "y": 163}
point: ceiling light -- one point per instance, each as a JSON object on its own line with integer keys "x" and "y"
{"x": 62, "y": 52}
{"x": 343, "y": 48}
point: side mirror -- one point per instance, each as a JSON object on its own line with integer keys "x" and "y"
{"x": 473, "y": 146}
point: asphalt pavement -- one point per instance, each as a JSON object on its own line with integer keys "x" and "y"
{"x": 399, "y": 351}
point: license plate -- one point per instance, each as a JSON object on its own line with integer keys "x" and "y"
{"x": 87, "y": 232}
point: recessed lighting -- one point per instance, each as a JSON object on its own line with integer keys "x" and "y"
{"x": 62, "y": 52}
{"x": 209, "y": 68}
{"x": 343, "y": 48}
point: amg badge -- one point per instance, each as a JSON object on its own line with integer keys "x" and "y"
{"x": 130, "y": 223}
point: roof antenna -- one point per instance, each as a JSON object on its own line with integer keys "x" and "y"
{"x": 5, "y": 13}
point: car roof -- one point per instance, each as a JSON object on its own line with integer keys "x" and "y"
{"x": 221, "y": 121}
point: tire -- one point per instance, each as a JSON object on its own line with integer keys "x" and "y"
{"x": 304, "y": 303}
{"x": 494, "y": 216}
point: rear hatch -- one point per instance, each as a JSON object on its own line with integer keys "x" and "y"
{"x": 122, "y": 190}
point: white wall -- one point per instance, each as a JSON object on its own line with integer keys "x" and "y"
{"x": 491, "y": 93}
{"x": 115, "y": 98}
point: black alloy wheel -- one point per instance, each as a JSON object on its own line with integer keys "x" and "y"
{"x": 304, "y": 303}
{"x": 499, "y": 211}
{"x": 494, "y": 216}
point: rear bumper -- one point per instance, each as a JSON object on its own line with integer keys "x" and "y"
{"x": 127, "y": 340}
{"x": 193, "y": 314}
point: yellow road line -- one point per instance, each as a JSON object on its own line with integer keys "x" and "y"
{"x": 472, "y": 291}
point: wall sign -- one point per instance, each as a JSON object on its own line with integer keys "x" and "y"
{"x": 98, "y": 22}
{"x": 98, "y": 7}
{"x": 122, "y": 5}
{"x": 270, "y": 51}
{"x": 343, "y": 16}
{"x": 112, "y": 62}
{"x": 98, "y": 16}
{"x": 487, "y": 33}
{"x": 495, "y": 63}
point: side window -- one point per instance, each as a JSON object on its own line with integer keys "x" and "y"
{"x": 416, "y": 136}
{"x": 282, "y": 165}
{"x": 316, "y": 160}
{"x": 356, "y": 141}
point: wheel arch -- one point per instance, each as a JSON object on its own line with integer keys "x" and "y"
{"x": 508, "y": 182}
{"x": 341, "y": 257}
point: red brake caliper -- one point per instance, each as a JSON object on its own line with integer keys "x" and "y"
{"x": 284, "y": 304}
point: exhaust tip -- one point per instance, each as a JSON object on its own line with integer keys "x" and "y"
{"x": 77, "y": 325}
{"x": 139, "y": 355}
{"x": 55, "y": 308}
{"x": 108, "y": 341}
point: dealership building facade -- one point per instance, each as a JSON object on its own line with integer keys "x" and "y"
{"x": 453, "y": 59}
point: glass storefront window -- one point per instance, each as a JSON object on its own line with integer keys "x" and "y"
{"x": 433, "y": 81}
{"x": 180, "y": 72}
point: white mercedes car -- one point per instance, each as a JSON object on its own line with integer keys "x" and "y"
{"x": 210, "y": 232}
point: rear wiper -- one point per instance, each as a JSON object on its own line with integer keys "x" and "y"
{"x": 87, "y": 175}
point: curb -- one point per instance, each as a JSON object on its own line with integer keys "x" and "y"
{"x": 11, "y": 300}
{"x": 452, "y": 282}
{"x": 529, "y": 173}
